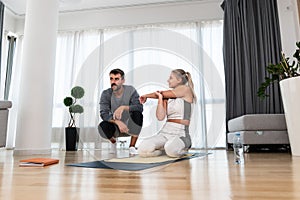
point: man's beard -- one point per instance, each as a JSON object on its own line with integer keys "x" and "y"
{"x": 115, "y": 87}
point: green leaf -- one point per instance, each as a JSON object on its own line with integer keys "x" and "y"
{"x": 68, "y": 101}
{"x": 77, "y": 92}
{"x": 282, "y": 70}
{"x": 76, "y": 109}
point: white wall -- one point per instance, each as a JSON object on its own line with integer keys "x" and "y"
{"x": 9, "y": 22}
{"x": 180, "y": 12}
{"x": 104, "y": 18}
{"x": 289, "y": 25}
{"x": 142, "y": 15}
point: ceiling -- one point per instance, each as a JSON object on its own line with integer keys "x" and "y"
{"x": 18, "y": 7}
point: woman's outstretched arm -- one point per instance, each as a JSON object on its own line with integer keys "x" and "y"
{"x": 167, "y": 94}
{"x": 144, "y": 97}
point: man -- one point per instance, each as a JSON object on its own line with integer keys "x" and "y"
{"x": 120, "y": 111}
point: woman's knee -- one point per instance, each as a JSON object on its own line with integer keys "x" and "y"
{"x": 174, "y": 153}
{"x": 148, "y": 150}
{"x": 146, "y": 147}
{"x": 174, "y": 148}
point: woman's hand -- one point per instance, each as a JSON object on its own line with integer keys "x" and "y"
{"x": 159, "y": 95}
{"x": 143, "y": 99}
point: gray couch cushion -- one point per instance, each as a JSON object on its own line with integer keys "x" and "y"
{"x": 4, "y": 106}
{"x": 261, "y": 137}
{"x": 257, "y": 122}
{"x": 3, "y": 127}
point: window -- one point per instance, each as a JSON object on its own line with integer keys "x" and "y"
{"x": 147, "y": 55}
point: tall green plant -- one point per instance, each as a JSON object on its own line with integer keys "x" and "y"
{"x": 77, "y": 92}
{"x": 283, "y": 70}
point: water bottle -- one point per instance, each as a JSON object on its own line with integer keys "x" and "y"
{"x": 238, "y": 149}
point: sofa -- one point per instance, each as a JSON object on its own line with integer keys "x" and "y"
{"x": 4, "y": 109}
{"x": 260, "y": 130}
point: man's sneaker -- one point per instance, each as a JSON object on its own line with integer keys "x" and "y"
{"x": 113, "y": 148}
{"x": 133, "y": 151}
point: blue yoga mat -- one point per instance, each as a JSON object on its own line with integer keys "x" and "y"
{"x": 129, "y": 166}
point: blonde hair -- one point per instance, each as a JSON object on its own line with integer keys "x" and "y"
{"x": 186, "y": 79}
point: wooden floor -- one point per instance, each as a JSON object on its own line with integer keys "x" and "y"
{"x": 263, "y": 176}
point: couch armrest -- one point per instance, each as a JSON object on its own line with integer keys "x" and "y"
{"x": 5, "y": 105}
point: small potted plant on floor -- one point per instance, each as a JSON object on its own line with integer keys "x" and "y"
{"x": 72, "y": 131}
{"x": 288, "y": 76}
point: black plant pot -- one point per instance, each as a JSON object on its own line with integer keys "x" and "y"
{"x": 72, "y": 138}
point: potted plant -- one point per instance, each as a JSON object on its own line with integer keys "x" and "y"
{"x": 283, "y": 70}
{"x": 287, "y": 74}
{"x": 71, "y": 131}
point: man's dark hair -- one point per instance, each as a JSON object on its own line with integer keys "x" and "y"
{"x": 117, "y": 71}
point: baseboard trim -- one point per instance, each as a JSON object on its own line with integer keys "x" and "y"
{"x": 20, "y": 152}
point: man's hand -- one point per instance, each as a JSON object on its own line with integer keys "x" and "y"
{"x": 122, "y": 126}
{"x": 118, "y": 113}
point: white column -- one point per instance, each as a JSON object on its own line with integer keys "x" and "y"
{"x": 33, "y": 135}
{"x": 289, "y": 25}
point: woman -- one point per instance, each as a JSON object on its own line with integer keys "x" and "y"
{"x": 176, "y": 105}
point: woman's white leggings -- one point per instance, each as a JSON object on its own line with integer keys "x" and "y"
{"x": 174, "y": 146}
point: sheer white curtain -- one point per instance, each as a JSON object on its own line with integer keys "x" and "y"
{"x": 147, "y": 54}
{"x": 14, "y": 94}
{"x": 77, "y": 63}
{"x": 3, "y": 64}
